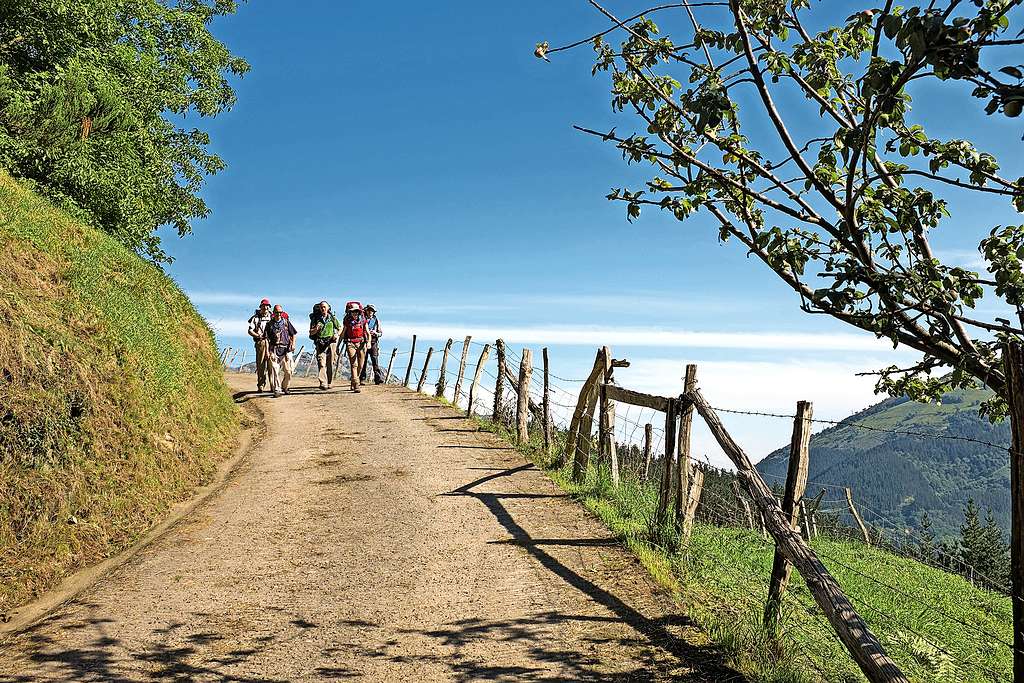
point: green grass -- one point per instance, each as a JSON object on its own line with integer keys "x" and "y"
{"x": 113, "y": 407}
{"x": 936, "y": 626}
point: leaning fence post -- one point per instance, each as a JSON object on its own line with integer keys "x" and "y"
{"x": 580, "y": 456}
{"x": 792, "y": 497}
{"x": 499, "y": 383}
{"x": 683, "y": 452}
{"x": 547, "y": 404}
{"x": 442, "y": 380}
{"x": 242, "y": 362}
{"x": 462, "y": 370}
{"x": 648, "y": 439}
{"x": 523, "y": 403}
{"x": 387, "y": 375}
{"x": 1013, "y": 362}
{"x": 412, "y": 355}
{"x": 476, "y": 379}
{"x": 423, "y": 375}
{"x": 857, "y": 517}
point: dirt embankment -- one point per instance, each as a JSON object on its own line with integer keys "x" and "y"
{"x": 377, "y": 536}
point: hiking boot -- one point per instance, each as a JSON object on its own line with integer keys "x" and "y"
{"x": 323, "y": 387}
{"x": 277, "y": 394}
{"x": 259, "y": 388}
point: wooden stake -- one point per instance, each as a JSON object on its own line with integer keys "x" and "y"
{"x": 805, "y": 526}
{"x": 648, "y": 439}
{"x": 683, "y": 450}
{"x": 862, "y": 645}
{"x": 523, "y": 404}
{"x": 856, "y": 517}
{"x": 476, "y": 379}
{"x": 692, "y": 501}
{"x": 499, "y": 384}
{"x": 547, "y": 404}
{"x": 665, "y": 491}
{"x": 792, "y": 497}
{"x": 743, "y": 503}
{"x": 387, "y": 375}
{"x": 1013, "y": 362}
{"x": 426, "y": 364}
{"x": 572, "y": 439}
{"x": 442, "y": 380}
{"x": 462, "y": 370}
{"x": 412, "y": 356}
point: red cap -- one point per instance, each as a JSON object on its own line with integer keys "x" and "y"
{"x": 265, "y": 302}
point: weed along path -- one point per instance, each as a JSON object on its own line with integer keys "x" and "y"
{"x": 378, "y": 536}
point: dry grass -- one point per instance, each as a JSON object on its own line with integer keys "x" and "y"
{"x": 112, "y": 408}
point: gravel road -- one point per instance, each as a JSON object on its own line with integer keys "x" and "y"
{"x": 374, "y": 536}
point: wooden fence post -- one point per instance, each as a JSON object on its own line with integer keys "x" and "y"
{"x": 412, "y": 355}
{"x": 499, "y": 383}
{"x": 442, "y": 380}
{"x": 853, "y": 632}
{"x": 743, "y": 503}
{"x": 683, "y": 451}
{"x": 692, "y": 501}
{"x": 462, "y": 370}
{"x": 523, "y": 404}
{"x": 242, "y": 362}
{"x": 426, "y": 364}
{"x": 295, "y": 360}
{"x": 224, "y": 355}
{"x": 547, "y": 404}
{"x": 805, "y": 526}
{"x": 665, "y": 491}
{"x": 856, "y": 517}
{"x": 606, "y": 432}
{"x": 580, "y": 456}
{"x": 648, "y": 439}
{"x": 476, "y": 379}
{"x": 792, "y": 498}
{"x": 387, "y": 375}
{"x": 1013, "y": 361}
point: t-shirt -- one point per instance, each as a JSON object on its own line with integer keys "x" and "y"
{"x": 258, "y": 323}
{"x": 280, "y": 333}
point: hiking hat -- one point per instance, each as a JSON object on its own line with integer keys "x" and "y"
{"x": 353, "y": 306}
{"x": 370, "y": 307}
{"x": 265, "y": 302}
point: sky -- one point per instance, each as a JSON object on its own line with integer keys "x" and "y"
{"x": 419, "y": 157}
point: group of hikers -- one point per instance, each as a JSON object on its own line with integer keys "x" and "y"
{"x": 357, "y": 334}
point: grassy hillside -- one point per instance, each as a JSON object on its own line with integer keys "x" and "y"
{"x": 901, "y": 476}
{"x": 113, "y": 406}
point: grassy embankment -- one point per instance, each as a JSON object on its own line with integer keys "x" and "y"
{"x": 112, "y": 406}
{"x": 936, "y": 625}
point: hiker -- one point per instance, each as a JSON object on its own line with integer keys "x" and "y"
{"x": 355, "y": 337}
{"x": 373, "y": 353}
{"x": 280, "y": 335}
{"x": 257, "y": 325}
{"x": 324, "y": 330}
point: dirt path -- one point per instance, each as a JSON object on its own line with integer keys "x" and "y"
{"x": 376, "y": 536}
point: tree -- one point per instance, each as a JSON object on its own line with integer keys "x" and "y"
{"x": 849, "y": 198}
{"x": 983, "y": 550}
{"x": 92, "y": 96}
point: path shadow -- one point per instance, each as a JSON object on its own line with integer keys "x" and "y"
{"x": 662, "y": 650}
{"x": 170, "y": 652}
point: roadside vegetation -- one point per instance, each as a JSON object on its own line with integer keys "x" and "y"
{"x": 937, "y": 625}
{"x": 113, "y": 405}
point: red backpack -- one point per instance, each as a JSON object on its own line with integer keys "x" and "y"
{"x": 355, "y": 325}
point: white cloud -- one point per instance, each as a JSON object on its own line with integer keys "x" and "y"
{"x": 619, "y": 336}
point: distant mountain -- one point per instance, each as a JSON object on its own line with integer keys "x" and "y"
{"x": 900, "y": 476}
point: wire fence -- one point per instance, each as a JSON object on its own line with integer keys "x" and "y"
{"x": 936, "y": 625}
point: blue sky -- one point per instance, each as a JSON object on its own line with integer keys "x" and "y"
{"x": 417, "y": 155}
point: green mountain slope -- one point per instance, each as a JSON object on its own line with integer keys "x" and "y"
{"x": 112, "y": 401}
{"x": 900, "y": 476}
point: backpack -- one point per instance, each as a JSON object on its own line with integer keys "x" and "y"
{"x": 355, "y": 325}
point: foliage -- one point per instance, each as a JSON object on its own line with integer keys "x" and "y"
{"x": 850, "y": 200}
{"x": 983, "y": 549}
{"x": 113, "y": 405}
{"x": 93, "y": 95}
